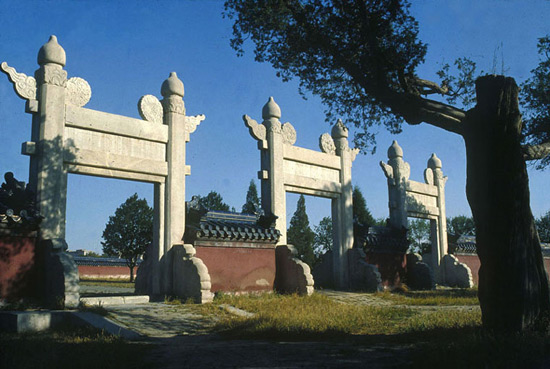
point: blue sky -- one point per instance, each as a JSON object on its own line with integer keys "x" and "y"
{"x": 127, "y": 49}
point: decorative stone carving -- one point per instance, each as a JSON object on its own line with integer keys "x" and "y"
{"x": 173, "y": 106}
{"x": 274, "y": 127}
{"x": 256, "y": 130}
{"x": 289, "y": 134}
{"x": 326, "y": 144}
{"x": 150, "y": 109}
{"x": 353, "y": 153}
{"x": 52, "y": 76}
{"x": 429, "y": 176}
{"x": 24, "y": 86}
{"x": 388, "y": 171}
{"x": 191, "y": 123}
{"x": 79, "y": 91}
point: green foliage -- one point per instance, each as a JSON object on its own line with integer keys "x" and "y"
{"x": 543, "y": 227}
{"x": 461, "y": 82}
{"x": 213, "y": 201}
{"x": 323, "y": 236}
{"x": 535, "y": 98}
{"x": 460, "y": 225}
{"x": 300, "y": 234}
{"x": 129, "y": 231}
{"x": 358, "y": 57}
{"x": 252, "y": 203}
{"x": 361, "y": 214}
{"x": 419, "y": 235}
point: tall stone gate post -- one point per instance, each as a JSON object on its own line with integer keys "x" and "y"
{"x": 47, "y": 175}
{"x": 342, "y": 208}
{"x": 439, "y": 228}
{"x": 272, "y": 173}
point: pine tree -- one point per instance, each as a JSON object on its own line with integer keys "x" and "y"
{"x": 213, "y": 201}
{"x": 323, "y": 236}
{"x": 300, "y": 234}
{"x": 361, "y": 214}
{"x": 252, "y": 201}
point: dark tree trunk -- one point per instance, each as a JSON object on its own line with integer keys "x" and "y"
{"x": 513, "y": 286}
{"x": 131, "y": 273}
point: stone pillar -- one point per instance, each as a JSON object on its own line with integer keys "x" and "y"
{"x": 174, "y": 192}
{"x": 272, "y": 175}
{"x": 48, "y": 176}
{"x": 438, "y": 252}
{"x": 397, "y": 172}
{"x": 342, "y": 208}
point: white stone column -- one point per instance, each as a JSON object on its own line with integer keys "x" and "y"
{"x": 397, "y": 172}
{"x": 273, "y": 188}
{"x": 342, "y": 208}
{"x": 48, "y": 176}
{"x": 174, "y": 199}
{"x": 434, "y": 163}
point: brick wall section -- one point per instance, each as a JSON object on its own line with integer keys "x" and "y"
{"x": 19, "y": 273}
{"x": 239, "y": 269}
{"x": 472, "y": 260}
{"x": 99, "y": 272}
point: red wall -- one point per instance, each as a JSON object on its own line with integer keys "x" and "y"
{"x": 472, "y": 260}
{"x": 390, "y": 265}
{"x": 19, "y": 275}
{"x": 239, "y": 269}
{"x": 92, "y": 271}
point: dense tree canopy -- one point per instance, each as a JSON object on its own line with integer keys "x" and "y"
{"x": 129, "y": 231}
{"x": 300, "y": 234}
{"x": 460, "y": 225}
{"x": 418, "y": 235}
{"x": 361, "y": 214}
{"x": 252, "y": 204}
{"x": 213, "y": 201}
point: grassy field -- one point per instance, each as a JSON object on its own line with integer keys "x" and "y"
{"x": 123, "y": 283}
{"x": 439, "y": 297}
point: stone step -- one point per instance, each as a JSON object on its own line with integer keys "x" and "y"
{"x": 114, "y": 300}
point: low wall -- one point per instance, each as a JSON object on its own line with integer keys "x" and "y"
{"x": 472, "y": 260}
{"x": 391, "y": 266}
{"x": 105, "y": 272}
{"x": 19, "y": 272}
{"x": 238, "y": 269}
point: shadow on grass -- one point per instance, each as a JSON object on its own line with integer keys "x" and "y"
{"x": 70, "y": 347}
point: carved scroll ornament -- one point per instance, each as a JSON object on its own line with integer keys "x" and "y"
{"x": 24, "y": 86}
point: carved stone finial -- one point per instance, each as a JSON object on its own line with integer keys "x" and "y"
{"x": 271, "y": 110}
{"x": 339, "y": 130}
{"x": 172, "y": 86}
{"x": 52, "y": 52}
{"x": 434, "y": 162}
{"x": 395, "y": 151}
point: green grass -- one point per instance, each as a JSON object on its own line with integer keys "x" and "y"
{"x": 317, "y": 316}
{"x": 440, "y": 297}
{"x": 70, "y": 347}
{"x": 122, "y": 283}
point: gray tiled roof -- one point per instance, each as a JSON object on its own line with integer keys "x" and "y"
{"x": 220, "y": 225}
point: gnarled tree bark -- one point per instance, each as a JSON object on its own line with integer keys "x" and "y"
{"x": 513, "y": 286}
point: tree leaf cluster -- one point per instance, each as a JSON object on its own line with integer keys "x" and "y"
{"x": 129, "y": 231}
{"x": 299, "y": 233}
{"x": 213, "y": 201}
{"x": 252, "y": 204}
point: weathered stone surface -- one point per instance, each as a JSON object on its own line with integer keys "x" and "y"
{"x": 419, "y": 275}
{"x": 287, "y": 168}
{"x": 190, "y": 275}
{"x": 457, "y": 274}
{"x": 409, "y": 198}
{"x": 363, "y": 276}
{"x": 292, "y": 275}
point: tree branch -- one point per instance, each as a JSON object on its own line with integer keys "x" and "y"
{"x": 536, "y": 152}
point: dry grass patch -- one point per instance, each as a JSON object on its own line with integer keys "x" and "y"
{"x": 439, "y": 297}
